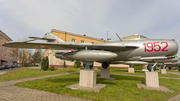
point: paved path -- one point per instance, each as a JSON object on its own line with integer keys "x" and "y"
{"x": 34, "y": 67}
{"x": 7, "y": 70}
{"x": 176, "y": 73}
{"x": 8, "y": 92}
{"x": 175, "y": 98}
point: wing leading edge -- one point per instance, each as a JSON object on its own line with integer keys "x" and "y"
{"x": 67, "y": 45}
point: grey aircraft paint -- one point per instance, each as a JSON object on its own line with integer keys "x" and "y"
{"x": 144, "y": 51}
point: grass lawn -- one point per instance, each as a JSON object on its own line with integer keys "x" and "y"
{"x": 123, "y": 88}
{"x": 25, "y": 72}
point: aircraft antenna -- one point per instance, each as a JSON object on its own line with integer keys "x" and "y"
{"x": 107, "y": 34}
{"x": 118, "y": 37}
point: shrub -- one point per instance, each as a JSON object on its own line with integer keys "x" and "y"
{"x": 74, "y": 66}
{"x": 52, "y": 68}
{"x": 45, "y": 63}
{"x": 78, "y": 63}
{"x": 100, "y": 68}
{"x": 64, "y": 64}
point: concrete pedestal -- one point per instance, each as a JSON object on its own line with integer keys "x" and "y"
{"x": 87, "y": 78}
{"x": 145, "y": 68}
{"x": 105, "y": 73}
{"x": 163, "y": 71}
{"x": 130, "y": 70}
{"x": 151, "y": 79}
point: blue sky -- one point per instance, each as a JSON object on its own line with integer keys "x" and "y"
{"x": 159, "y": 19}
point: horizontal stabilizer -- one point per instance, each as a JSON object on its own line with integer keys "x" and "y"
{"x": 43, "y": 38}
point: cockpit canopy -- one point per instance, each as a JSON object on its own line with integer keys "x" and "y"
{"x": 135, "y": 37}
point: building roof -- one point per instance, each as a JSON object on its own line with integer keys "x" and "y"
{"x": 5, "y": 36}
{"x": 54, "y": 30}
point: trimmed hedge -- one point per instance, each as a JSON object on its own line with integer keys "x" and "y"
{"x": 52, "y": 68}
{"x": 138, "y": 67}
{"x": 45, "y": 63}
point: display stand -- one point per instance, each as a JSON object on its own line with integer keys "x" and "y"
{"x": 163, "y": 71}
{"x": 151, "y": 79}
{"x": 87, "y": 78}
{"x": 130, "y": 70}
{"x": 105, "y": 74}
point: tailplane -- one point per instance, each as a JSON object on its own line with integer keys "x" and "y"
{"x": 49, "y": 37}
{"x": 52, "y": 36}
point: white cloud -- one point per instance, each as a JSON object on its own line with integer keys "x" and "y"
{"x": 93, "y": 18}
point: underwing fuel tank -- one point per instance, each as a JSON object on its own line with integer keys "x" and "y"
{"x": 60, "y": 55}
{"x": 90, "y": 55}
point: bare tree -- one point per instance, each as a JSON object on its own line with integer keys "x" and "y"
{"x": 24, "y": 56}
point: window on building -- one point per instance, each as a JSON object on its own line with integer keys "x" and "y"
{"x": 74, "y": 40}
{"x": 0, "y": 47}
{"x": 92, "y": 42}
{"x": 82, "y": 41}
{"x": 6, "y": 49}
{"x": 0, "y": 40}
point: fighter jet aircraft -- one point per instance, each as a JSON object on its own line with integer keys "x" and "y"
{"x": 128, "y": 49}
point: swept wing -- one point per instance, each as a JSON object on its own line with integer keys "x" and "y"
{"x": 68, "y": 45}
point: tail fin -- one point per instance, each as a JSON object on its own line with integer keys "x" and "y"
{"x": 52, "y": 36}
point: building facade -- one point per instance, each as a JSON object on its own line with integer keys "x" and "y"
{"x": 71, "y": 37}
{"x": 8, "y": 55}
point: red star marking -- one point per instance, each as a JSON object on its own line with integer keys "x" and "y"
{"x": 56, "y": 41}
{"x": 70, "y": 50}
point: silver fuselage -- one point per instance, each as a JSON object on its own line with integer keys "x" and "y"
{"x": 149, "y": 50}
{"x": 171, "y": 49}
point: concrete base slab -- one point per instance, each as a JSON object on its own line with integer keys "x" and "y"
{"x": 145, "y": 70}
{"x": 163, "y": 71}
{"x": 87, "y": 78}
{"x": 96, "y": 88}
{"x": 151, "y": 79}
{"x": 161, "y": 88}
{"x": 130, "y": 70}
